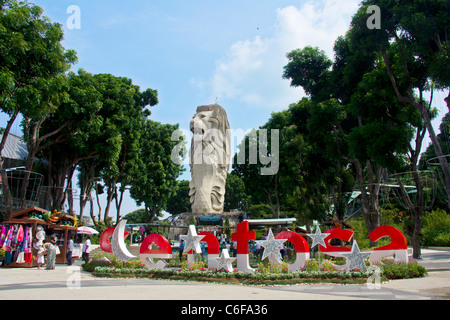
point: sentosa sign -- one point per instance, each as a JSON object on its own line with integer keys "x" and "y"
{"x": 156, "y": 246}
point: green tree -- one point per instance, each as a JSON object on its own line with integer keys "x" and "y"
{"x": 137, "y": 216}
{"x": 354, "y": 119}
{"x": 413, "y": 43}
{"x": 78, "y": 141}
{"x": 260, "y": 188}
{"x": 155, "y": 176}
{"x": 32, "y": 64}
{"x": 179, "y": 201}
{"x": 235, "y": 196}
{"x": 124, "y": 112}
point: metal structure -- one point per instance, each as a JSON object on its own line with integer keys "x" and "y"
{"x": 16, "y": 178}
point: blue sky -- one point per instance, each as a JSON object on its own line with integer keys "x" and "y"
{"x": 197, "y": 52}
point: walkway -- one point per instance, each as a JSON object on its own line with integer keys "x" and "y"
{"x": 70, "y": 283}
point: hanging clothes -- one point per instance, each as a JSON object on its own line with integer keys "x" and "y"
{"x": 9, "y": 236}
{"x": 3, "y": 235}
{"x": 21, "y": 258}
{"x": 27, "y": 240}
{"x": 28, "y": 257}
{"x": 20, "y": 234}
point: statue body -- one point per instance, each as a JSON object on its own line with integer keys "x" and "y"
{"x": 209, "y": 159}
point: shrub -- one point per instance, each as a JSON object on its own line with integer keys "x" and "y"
{"x": 312, "y": 265}
{"x": 91, "y": 265}
{"x": 436, "y": 228}
{"x": 197, "y": 265}
{"x": 403, "y": 271}
{"x": 266, "y": 267}
{"x": 328, "y": 265}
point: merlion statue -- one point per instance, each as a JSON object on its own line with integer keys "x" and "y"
{"x": 209, "y": 159}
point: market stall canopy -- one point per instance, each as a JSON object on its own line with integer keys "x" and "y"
{"x": 87, "y": 230}
{"x": 30, "y": 214}
{"x": 270, "y": 222}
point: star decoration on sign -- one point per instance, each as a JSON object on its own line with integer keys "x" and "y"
{"x": 192, "y": 241}
{"x": 318, "y": 238}
{"x": 271, "y": 246}
{"x": 355, "y": 258}
{"x": 224, "y": 262}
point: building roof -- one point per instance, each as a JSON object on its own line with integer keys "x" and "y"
{"x": 270, "y": 222}
{"x": 14, "y": 148}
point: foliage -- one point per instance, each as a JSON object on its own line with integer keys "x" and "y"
{"x": 91, "y": 265}
{"x": 273, "y": 268}
{"x": 394, "y": 271}
{"x": 436, "y": 228}
{"x": 235, "y": 196}
{"x": 155, "y": 174}
{"x": 260, "y": 211}
{"x": 179, "y": 201}
{"x": 137, "y": 216}
{"x": 197, "y": 265}
{"x": 403, "y": 271}
{"x": 256, "y": 278}
{"x": 32, "y": 66}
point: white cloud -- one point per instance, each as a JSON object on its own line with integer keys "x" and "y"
{"x": 243, "y": 58}
{"x": 251, "y": 71}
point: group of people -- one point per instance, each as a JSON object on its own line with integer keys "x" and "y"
{"x": 47, "y": 250}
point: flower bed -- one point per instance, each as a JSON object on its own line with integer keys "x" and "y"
{"x": 261, "y": 277}
{"x": 256, "y": 278}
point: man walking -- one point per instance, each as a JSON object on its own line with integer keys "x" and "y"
{"x": 86, "y": 250}
{"x": 69, "y": 252}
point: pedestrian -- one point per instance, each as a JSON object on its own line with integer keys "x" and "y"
{"x": 86, "y": 249}
{"x": 39, "y": 246}
{"x": 181, "y": 249}
{"x": 258, "y": 250}
{"x": 49, "y": 246}
{"x": 281, "y": 247}
{"x": 203, "y": 247}
{"x": 70, "y": 248}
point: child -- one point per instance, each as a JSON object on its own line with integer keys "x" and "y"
{"x": 39, "y": 246}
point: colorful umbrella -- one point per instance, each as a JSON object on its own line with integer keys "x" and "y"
{"x": 87, "y": 230}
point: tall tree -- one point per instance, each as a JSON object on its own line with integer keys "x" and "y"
{"x": 374, "y": 130}
{"x": 32, "y": 61}
{"x": 155, "y": 176}
{"x": 124, "y": 111}
{"x": 413, "y": 43}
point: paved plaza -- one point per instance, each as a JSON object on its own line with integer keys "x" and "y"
{"x": 71, "y": 283}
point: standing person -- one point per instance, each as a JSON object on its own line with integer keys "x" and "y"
{"x": 203, "y": 247}
{"x": 39, "y": 246}
{"x": 70, "y": 249}
{"x": 258, "y": 251}
{"x": 49, "y": 247}
{"x": 86, "y": 249}
{"x": 181, "y": 249}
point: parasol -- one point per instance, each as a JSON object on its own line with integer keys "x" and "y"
{"x": 87, "y": 230}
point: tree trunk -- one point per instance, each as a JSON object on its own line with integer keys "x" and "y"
{"x": 419, "y": 105}
{"x": 369, "y": 195}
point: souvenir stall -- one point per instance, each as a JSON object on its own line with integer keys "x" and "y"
{"x": 22, "y": 236}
